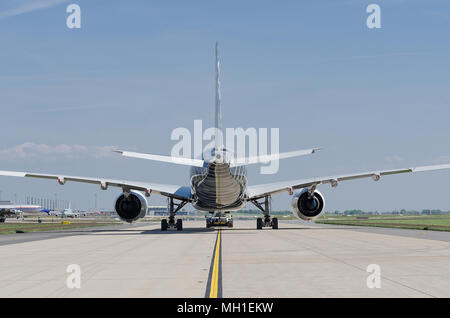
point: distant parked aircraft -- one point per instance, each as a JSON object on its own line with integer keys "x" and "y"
{"x": 10, "y": 209}
{"x": 69, "y": 213}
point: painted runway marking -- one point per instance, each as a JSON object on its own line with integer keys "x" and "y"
{"x": 214, "y": 285}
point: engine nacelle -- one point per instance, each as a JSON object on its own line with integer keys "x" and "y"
{"x": 132, "y": 207}
{"x": 307, "y": 208}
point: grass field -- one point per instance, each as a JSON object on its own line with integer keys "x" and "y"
{"x": 25, "y": 227}
{"x": 419, "y": 222}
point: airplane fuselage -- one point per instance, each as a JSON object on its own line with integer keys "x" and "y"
{"x": 217, "y": 187}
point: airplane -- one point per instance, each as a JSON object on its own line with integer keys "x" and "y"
{"x": 61, "y": 213}
{"x": 17, "y": 210}
{"x": 218, "y": 183}
{"x": 67, "y": 212}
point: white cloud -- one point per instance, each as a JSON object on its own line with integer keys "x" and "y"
{"x": 29, "y": 6}
{"x": 30, "y": 150}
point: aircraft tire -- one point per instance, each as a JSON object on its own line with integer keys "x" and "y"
{"x": 179, "y": 225}
{"x": 274, "y": 223}
{"x": 164, "y": 225}
{"x": 259, "y": 224}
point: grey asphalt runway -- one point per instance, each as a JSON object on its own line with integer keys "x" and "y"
{"x": 298, "y": 260}
{"x": 46, "y": 235}
{"x": 430, "y": 235}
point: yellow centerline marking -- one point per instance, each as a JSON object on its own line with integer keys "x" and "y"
{"x": 215, "y": 273}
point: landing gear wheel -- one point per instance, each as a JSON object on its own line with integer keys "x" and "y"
{"x": 274, "y": 223}
{"x": 259, "y": 223}
{"x": 164, "y": 225}
{"x": 179, "y": 224}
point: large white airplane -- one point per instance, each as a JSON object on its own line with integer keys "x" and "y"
{"x": 218, "y": 183}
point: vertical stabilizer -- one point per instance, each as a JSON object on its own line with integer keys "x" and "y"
{"x": 218, "y": 119}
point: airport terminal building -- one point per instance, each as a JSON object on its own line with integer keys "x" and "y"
{"x": 162, "y": 210}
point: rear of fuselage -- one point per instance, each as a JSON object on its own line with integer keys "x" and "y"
{"x": 217, "y": 187}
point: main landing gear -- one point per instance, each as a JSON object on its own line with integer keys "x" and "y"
{"x": 171, "y": 223}
{"x": 267, "y": 221}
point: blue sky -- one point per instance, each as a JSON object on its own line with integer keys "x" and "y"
{"x": 138, "y": 69}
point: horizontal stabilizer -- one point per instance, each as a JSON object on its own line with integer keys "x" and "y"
{"x": 271, "y": 157}
{"x": 169, "y": 159}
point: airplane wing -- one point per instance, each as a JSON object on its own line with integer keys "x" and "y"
{"x": 271, "y": 157}
{"x": 260, "y": 191}
{"x": 175, "y": 191}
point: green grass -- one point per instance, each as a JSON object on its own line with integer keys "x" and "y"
{"x": 419, "y": 222}
{"x": 11, "y": 228}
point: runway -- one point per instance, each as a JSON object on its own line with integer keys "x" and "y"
{"x": 298, "y": 260}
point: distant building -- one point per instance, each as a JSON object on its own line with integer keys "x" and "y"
{"x": 157, "y": 210}
{"x": 162, "y": 210}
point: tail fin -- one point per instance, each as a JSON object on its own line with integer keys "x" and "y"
{"x": 218, "y": 115}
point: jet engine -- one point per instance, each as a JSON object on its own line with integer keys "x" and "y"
{"x": 131, "y": 207}
{"x": 306, "y": 206}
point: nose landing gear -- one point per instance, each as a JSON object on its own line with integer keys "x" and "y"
{"x": 219, "y": 219}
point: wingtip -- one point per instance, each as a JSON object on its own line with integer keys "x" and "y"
{"x": 317, "y": 149}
